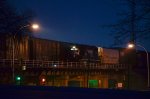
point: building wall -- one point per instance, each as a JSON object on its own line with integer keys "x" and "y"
{"x": 73, "y": 79}
{"x": 20, "y": 48}
{"x": 41, "y": 49}
{"x": 108, "y": 56}
{"x": 2, "y": 47}
{"x": 84, "y": 52}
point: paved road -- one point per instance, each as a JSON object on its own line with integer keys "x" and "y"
{"x": 39, "y": 92}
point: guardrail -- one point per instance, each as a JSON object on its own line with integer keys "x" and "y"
{"x": 60, "y": 64}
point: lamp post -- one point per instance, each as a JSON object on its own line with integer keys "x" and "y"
{"x": 54, "y": 76}
{"x": 147, "y": 60}
{"x": 35, "y": 27}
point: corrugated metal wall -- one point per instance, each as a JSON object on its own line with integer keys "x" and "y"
{"x": 108, "y": 56}
{"x": 41, "y": 49}
{"x": 20, "y": 48}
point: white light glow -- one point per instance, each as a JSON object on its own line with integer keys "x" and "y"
{"x": 35, "y": 26}
{"x": 74, "y": 48}
{"x": 130, "y": 45}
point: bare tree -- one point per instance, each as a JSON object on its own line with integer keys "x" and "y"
{"x": 11, "y": 23}
{"x": 134, "y": 24}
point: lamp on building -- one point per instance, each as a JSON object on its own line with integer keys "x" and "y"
{"x": 131, "y": 45}
{"x": 74, "y": 49}
{"x": 33, "y": 26}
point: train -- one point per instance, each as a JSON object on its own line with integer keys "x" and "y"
{"x": 31, "y": 48}
{"x": 105, "y": 73}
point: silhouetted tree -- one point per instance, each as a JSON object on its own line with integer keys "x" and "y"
{"x": 12, "y": 28}
{"x": 11, "y": 22}
{"x": 134, "y": 23}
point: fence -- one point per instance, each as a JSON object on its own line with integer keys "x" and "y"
{"x": 59, "y": 64}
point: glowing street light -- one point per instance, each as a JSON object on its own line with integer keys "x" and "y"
{"x": 131, "y": 45}
{"x": 33, "y": 26}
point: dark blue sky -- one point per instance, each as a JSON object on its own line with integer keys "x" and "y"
{"x": 77, "y": 21}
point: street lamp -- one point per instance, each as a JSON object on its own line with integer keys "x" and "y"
{"x": 35, "y": 27}
{"x": 54, "y": 66}
{"x": 147, "y": 59}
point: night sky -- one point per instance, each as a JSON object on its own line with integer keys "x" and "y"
{"x": 76, "y": 21}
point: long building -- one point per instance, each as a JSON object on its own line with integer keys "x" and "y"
{"x": 54, "y": 63}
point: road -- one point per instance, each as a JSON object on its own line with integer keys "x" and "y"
{"x": 43, "y": 92}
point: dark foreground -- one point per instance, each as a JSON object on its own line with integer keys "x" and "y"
{"x": 39, "y": 92}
